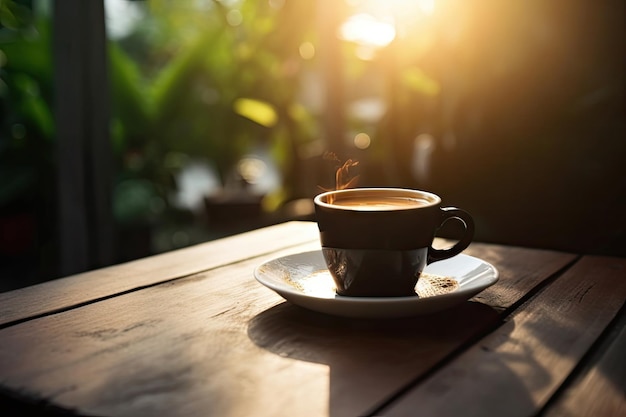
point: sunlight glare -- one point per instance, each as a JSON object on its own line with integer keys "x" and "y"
{"x": 427, "y": 6}
{"x": 366, "y": 30}
{"x": 398, "y": 8}
{"x": 376, "y": 23}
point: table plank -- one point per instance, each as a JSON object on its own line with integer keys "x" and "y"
{"x": 516, "y": 369}
{"x": 218, "y": 343}
{"x": 523, "y": 269}
{"x": 601, "y": 389}
{"x": 93, "y": 285}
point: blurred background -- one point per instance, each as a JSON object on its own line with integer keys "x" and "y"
{"x": 129, "y": 128}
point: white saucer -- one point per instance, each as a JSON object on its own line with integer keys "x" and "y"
{"x": 304, "y": 280}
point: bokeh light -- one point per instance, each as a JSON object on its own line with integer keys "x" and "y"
{"x": 307, "y": 50}
{"x": 251, "y": 169}
{"x": 362, "y": 140}
{"x": 234, "y": 17}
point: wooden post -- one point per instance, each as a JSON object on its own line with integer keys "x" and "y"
{"x": 331, "y": 14}
{"x": 81, "y": 106}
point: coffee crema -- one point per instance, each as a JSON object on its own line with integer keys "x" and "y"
{"x": 380, "y": 203}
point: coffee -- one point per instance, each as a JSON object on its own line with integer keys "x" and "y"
{"x": 377, "y": 241}
{"x": 380, "y": 203}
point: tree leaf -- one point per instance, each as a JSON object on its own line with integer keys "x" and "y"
{"x": 258, "y": 111}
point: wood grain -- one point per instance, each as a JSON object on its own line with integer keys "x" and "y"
{"x": 218, "y": 343}
{"x": 86, "y": 287}
{"x": 522, "y": 269}
{"x": 516, "y": 369}
{"x": 601, "y": 389}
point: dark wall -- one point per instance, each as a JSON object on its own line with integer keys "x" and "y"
{"x": 541, "y": 145}
{"x": 529, "y": 126}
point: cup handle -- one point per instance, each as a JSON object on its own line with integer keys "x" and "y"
{"x": 464, "y": 217}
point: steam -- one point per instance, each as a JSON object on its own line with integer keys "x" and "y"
{"x": 344, "y": 176}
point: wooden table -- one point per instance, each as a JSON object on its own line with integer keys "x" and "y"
{"x": 192, "y": 333}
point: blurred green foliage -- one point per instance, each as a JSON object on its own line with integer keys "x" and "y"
{"x": 26, "y": 119}
{"x": 204, "y": 82}
{"x": 208, "y": 83}
{"x": 192, "y": 80}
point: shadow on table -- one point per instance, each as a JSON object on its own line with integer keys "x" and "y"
{"x": 21, "y": 405}
{"x": 369, "y": 360}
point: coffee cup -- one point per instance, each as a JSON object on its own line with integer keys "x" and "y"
{"x": 377, "y": 241}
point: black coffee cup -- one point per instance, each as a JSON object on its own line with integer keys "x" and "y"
{"x": 377, "y": 241}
